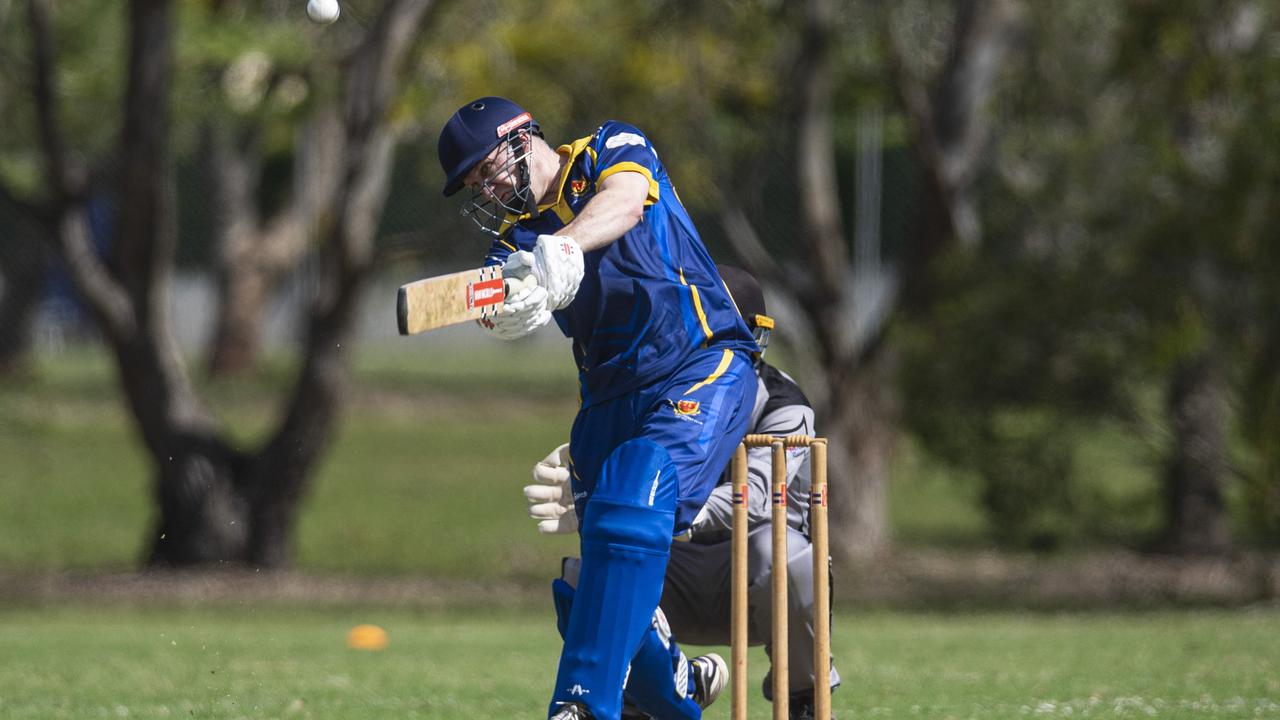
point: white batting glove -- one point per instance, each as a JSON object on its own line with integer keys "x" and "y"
{"x": 519, "y": 265}
{"x": 550, "y": 498}
{"x": 525, "y": 309}
{"x": 558, "y": 265}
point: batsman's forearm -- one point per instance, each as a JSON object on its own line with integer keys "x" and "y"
{"x": 615, "y": 209}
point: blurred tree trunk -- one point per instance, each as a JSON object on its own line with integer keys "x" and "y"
{"x": 216, "y": 503}
{"x": 950, "y": 130}
{"x": 1196, "y": 519}
{"x": 861, "y": 417}
{"x": 857, "y": 389}
{"x": 255, "y": 253}
{"x": 24, "y": 271}
{"x": 1261, "y": 425}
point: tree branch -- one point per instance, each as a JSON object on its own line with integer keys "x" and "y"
{"x": 347, "y": 248}
{"x": 816, "y": 173}
{"x": 66, "y": 216}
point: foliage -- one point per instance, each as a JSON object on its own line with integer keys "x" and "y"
{"x": 84, "y": 33}
{"x": 1008, "y": 389}
{"x": 1128, "y": 217}
{"x": 1128, "y": 232}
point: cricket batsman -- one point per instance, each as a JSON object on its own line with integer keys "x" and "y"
{"x": 665, "y": 376}
{"x": 696, "y": 594}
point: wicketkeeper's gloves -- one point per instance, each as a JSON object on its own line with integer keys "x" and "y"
{"x": 551, "y": 496}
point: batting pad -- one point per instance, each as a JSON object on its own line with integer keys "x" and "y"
{"x": 659, "y": 682}
{"x": 626, "y": 537}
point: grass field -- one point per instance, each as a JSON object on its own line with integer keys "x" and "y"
{"x": 273, "y": 662}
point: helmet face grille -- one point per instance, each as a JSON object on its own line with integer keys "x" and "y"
{"x": 488, "y": 208}
{"x": 762, "y": 335}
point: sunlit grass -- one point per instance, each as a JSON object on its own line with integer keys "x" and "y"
{"x": 268, "y": 661}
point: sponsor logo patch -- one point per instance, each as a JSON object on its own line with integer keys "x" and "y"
{"x": 513, "y": 123}
{"x": 487, "y": 292}
{"x": 624, "y": 138}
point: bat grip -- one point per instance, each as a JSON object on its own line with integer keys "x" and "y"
{"x": 511, "y": 286}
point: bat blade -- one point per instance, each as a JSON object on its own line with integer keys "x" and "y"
{"x": 449, "y": 299}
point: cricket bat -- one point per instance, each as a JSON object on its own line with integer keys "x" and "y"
{"x": 457, "y": 297}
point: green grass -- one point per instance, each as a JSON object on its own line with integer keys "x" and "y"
{"x": 274, "y": 662}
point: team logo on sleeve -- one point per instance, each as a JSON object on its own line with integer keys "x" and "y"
{"x": 686, "y": 410}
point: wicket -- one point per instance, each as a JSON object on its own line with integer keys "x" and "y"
{"x": 821, "y": 574}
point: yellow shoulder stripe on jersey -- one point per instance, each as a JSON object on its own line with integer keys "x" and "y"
{"x": 571, "y": 152}
{"x": 697, "y": 305}
{"x": 636, "y": 168}
{"x": 726, "y": 357}
{"x": 508, "y": 245}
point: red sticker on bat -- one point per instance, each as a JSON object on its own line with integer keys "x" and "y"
{"x": 488, "y": 292}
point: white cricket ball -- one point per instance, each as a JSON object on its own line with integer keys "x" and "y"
{"x": 322, "y": 11}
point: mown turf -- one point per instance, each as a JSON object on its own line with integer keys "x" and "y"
{"x": 272, "y": 662}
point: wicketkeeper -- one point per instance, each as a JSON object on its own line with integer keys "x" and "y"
{"x": 665, "y": 376}
{"x": 696, "y": 592}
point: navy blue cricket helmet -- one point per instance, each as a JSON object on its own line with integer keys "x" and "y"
{"x": 473, "y": 132}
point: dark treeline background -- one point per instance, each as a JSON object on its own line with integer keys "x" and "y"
{"x": 1004, "y": 233}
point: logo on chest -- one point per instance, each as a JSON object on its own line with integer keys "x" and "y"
{"x": 577, "y": 187}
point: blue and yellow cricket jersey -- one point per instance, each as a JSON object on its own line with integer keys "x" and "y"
{"x": 647, "y": 301}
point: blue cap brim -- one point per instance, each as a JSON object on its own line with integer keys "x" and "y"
{"x": 455, "y": 182}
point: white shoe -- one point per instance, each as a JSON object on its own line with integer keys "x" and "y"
{"x": 571, "y": 711}
{"x": 710, "y": 676}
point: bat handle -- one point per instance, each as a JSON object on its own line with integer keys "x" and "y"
{"x": 511, "y": 286}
